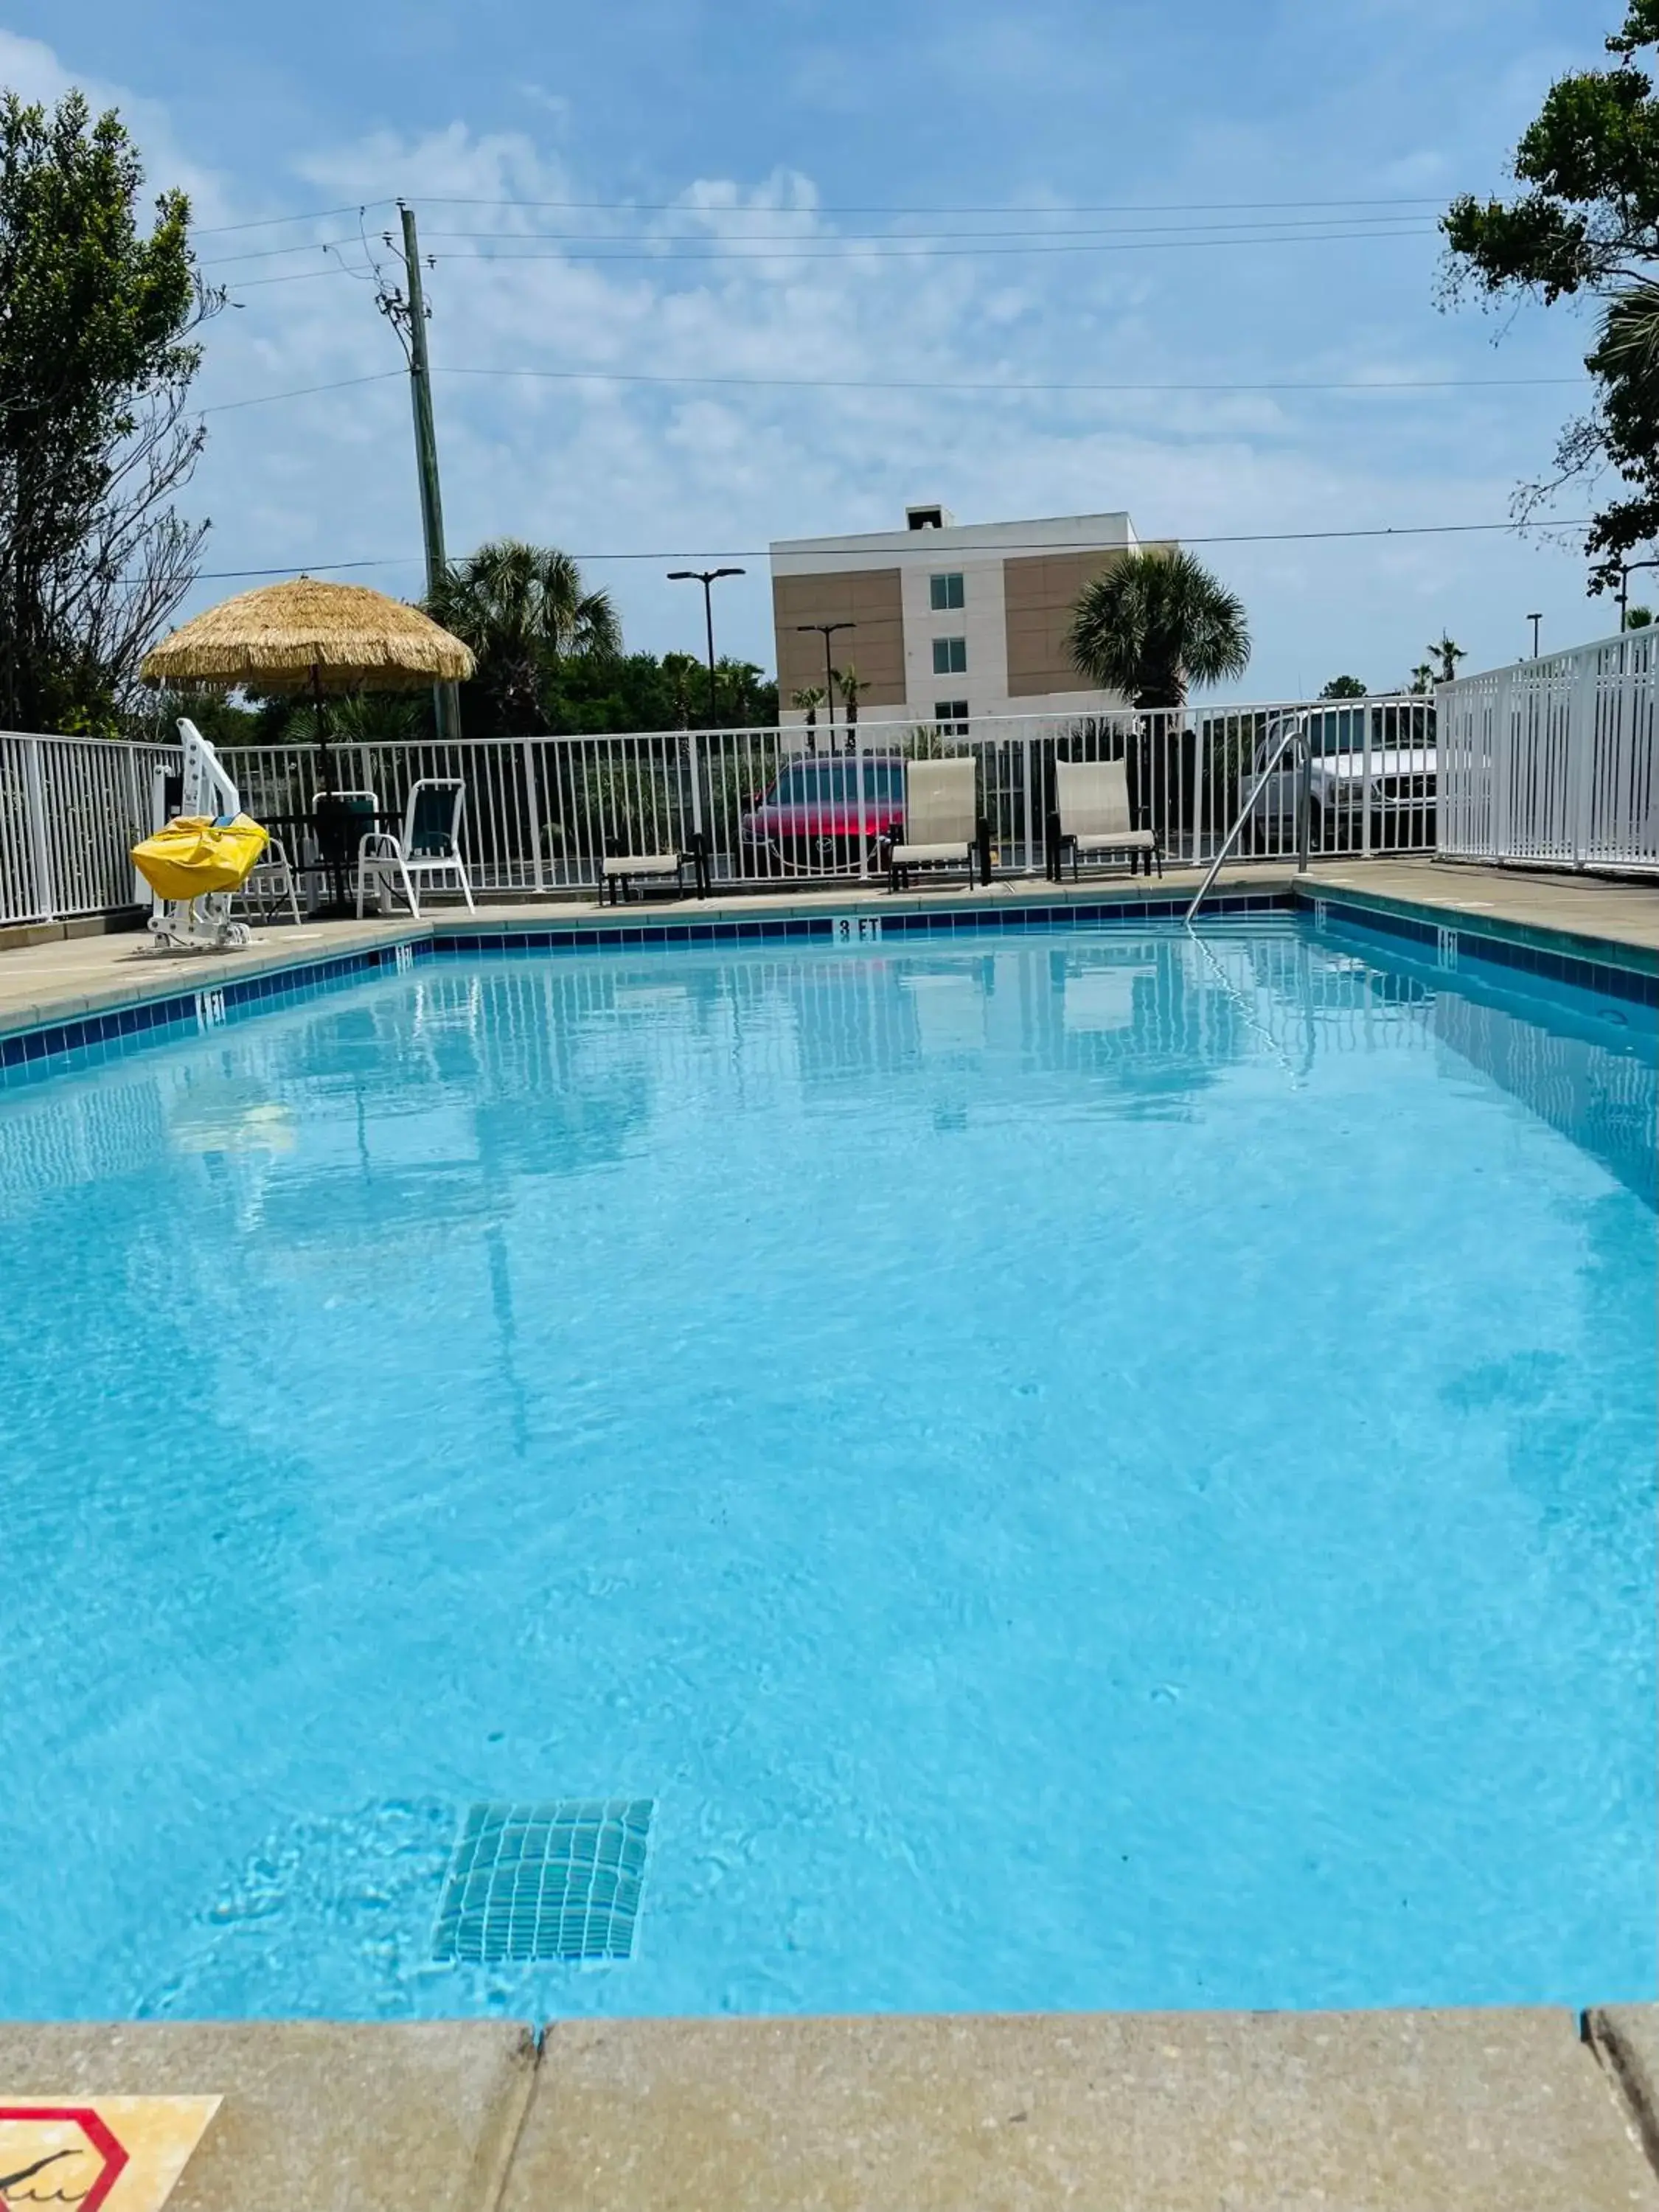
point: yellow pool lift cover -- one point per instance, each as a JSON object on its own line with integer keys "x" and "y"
{"x": 197, "y": 854}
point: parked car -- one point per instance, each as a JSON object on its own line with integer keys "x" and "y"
{"x": 812, "y": 818}
{"x": 1376, "y": 757}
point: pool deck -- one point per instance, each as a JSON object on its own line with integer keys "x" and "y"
{"x": 1490, "y": 2111}
{"x": 1502, "y": 2111}
{"x": 64, "y": 978}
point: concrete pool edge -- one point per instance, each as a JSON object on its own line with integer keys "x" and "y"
{"x": 1378, "y": 2111}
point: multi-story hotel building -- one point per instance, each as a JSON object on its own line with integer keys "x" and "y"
{"x": 948, "y": 620}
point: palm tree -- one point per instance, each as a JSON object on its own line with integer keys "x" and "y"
{"x": 852, "y": 689}
{"x": 809, "y": 699}
{"x": 521, "y": 608}
{"x": 1447, "y": 655}
{"x": 1154, "y": 623}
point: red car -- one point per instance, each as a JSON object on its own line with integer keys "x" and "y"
{"x": 812, "y": 818}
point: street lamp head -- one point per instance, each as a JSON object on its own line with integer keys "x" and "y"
{"x": 684, "y": 576}
{"x": 730, "y": 572}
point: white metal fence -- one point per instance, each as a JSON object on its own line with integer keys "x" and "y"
{"x": 1555, "y": 762}
{"x": 770, "y": 806}
{"x": 776, "y": 807}
{"x": 71, "y": 810}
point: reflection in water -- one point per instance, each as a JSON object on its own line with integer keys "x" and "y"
{"x": 441, "y": 1090}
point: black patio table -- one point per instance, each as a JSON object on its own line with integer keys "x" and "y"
{"x": 335, "y": 830}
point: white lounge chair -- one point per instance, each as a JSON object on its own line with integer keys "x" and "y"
{"x": 269, "y": 885}
{"x": 942, "y": 820}
{"x": 618, "y": 869}
{"x": 1091, "y": 816}
{"x": 429, "y": 849}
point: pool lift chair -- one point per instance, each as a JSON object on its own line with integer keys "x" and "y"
{"x": 227, "y": 847}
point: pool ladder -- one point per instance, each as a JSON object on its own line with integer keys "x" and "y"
{"x": 1295, "y": 730}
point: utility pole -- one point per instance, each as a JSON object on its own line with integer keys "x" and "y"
{"x": 445, "y": 697}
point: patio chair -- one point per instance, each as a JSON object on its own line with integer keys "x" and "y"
{"x": 269, "y": 885}
{"x": 427, "y": 849}
{"x": 619, "y": 869}
{"x": 1091, "y": 816}
{"x": 942, "y": 820}
{"x": 340, "y": 820}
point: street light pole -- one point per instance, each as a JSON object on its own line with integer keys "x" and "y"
{"x": 707, "y": 578}
{"x": 826, "y": 631}
{"x": 1534, "y": 620}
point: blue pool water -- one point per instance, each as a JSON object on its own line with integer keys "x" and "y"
{"x": 1083, "y": 1470}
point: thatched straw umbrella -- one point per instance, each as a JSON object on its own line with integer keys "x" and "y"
{"x": 325, "y": 638}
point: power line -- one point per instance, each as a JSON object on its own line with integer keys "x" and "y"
{"x": 932, "y": 384}
{"x": 271, "y": 221}
{"x": 1291, "y": 228}
{"x": 662, "y": 256}
{"x": 1102, "y": 207}
{"x": 859, "y": 253}
{"x": 300, "y": 392}
{"x": 1048, "y": 545}
{"x": 897, "y": 383}
{"x": 897, "y": 251}
{"x": 988, "y": 546}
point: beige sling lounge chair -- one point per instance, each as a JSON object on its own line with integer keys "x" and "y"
{"x": 942, "y": 820}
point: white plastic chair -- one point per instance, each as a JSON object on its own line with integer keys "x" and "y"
{"x": 429, "y": 848}
{"x": 269, "y": 885}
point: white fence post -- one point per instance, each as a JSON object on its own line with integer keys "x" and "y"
{"x": 1583, "y": 708}
{"x": 35, "y": 802}
{"x": 532, "y": 810}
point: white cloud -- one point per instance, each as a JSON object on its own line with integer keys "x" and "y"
{"x": 34, "y": 71}
{"x": 683, "y": 469}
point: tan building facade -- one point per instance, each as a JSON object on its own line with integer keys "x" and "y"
{"x": 948, "y": 621}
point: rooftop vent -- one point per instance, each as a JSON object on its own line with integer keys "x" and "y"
{"x": 928, "y": 518}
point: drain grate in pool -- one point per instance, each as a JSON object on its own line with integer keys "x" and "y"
{"x": 559, "y": 1880}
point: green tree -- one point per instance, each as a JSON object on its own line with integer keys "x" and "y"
{"x": 1586, "y": 222}
{"x": 598, "y": 691}
{"x": 96, "y": 359}
{"x": 1344, "y": 687}
{"x": 524, "y": 610}
{"x": 1154, "y": 623}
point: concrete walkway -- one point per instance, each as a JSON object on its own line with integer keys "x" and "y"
{"x": 1470, "y": 2112}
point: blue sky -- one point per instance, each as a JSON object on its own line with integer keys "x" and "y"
{"x": 673, "y": 128}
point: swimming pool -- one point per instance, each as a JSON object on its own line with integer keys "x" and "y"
{"x": 1095, "y": 1469}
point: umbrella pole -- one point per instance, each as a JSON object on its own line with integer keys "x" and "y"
{"x": 325, "y": 765}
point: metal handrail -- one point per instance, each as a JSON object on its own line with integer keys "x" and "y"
{"x": 1248, "y": 808}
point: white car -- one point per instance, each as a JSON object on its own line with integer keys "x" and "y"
{"x": 1376, "y": 757}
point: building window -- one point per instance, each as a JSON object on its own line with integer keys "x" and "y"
{"x": 950, "y": 656}
{"x": 951, "y": 715}
{"x": 944, "y": 592}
